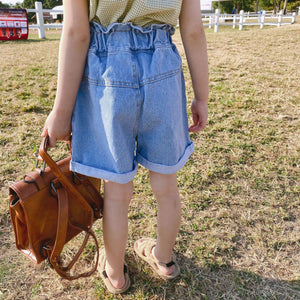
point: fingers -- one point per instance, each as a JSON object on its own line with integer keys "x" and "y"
{"x": 44, "y": 132}
{"x": 196, "y": 127}
{"x": 195, "y": 118}
{"x": 51, "y": 141}
{"x": 198, "y": 124}
{"x": 199, "y": 114}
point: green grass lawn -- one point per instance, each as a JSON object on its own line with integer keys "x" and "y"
{"x": 240, "y": 233}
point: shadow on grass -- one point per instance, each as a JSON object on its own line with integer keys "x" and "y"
{"x": 34, "y": 39}
{"x": 195, "y": 282}
{"x": 31, "y": 41}
{"x": 209, "y": 282}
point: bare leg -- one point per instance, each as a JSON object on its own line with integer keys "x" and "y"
{"x": 165, "y": 189}
{"x": 115, "y": 228}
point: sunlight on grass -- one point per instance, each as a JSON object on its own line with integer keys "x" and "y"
{"x": 240, "y": 190}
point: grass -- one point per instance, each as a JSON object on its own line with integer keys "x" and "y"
{"x": 240, "y": 230}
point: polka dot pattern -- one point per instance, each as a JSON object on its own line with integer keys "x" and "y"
{"x": 139, "y": 12}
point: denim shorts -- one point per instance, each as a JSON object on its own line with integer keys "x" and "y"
{"x": 131, "y": 104}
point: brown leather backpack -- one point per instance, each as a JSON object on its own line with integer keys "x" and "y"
{"x": 49, "y": 207}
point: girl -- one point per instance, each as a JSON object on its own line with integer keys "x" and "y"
{"x": 121, "y": 93}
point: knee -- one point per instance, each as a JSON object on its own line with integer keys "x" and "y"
{"x": 164, "y": 186}
{"x": 118, "y": 193}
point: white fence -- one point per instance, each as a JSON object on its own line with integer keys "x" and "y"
{"x": 209, "y": 20}
{"x": 247, "y": 19}
{"x": 41, "y": 26}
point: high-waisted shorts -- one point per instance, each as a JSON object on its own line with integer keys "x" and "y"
{"x": 131, "y": 104}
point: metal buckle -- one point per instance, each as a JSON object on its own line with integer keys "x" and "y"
{"x": 44, "y": 250}
{"x": 46, "y": 247}
{"x": 44, "y": 166}
{"x": 76, "y": 176}
{"x": 53, "y": 190}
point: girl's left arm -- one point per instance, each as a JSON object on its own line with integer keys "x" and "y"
{"x": 194, "y": 42}
{"x": 72, "y": 56}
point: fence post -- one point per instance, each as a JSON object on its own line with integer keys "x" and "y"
{"x": 217, "y": 16}
{"x": 241, "y": 20}
{"x": 40, "y": 19}
{"x": 210, "y": 21}
{"x": 293, "y": 17}
{"x": 279, "y": 18}
{"x": 234, "y": 21}
{"x": 262, "y": 19}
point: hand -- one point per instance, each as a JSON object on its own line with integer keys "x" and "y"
{"x": 57, "y": 127}
{"x": 200, "y": 115}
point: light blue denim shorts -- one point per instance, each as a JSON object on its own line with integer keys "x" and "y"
{"x": 131, "y": 104}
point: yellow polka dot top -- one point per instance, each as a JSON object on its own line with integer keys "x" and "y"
{"x": 138, "y": 12}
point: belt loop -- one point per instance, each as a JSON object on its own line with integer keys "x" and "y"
{"x": 133, "y": 34}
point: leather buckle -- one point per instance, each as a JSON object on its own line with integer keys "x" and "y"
{"x": 75, "y": 177}
{"x": 53, "y": 187}
{"x": 37, "y": 166}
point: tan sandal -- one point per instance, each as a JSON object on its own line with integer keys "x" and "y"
{"x": 143, "y": 249}
{"x": 104, "y": 276}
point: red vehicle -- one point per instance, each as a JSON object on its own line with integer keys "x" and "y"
{"x": 13, "y": 24}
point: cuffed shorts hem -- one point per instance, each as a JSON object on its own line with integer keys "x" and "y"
{"x": 105, "y": 175}
{"x": 164, "y": 169}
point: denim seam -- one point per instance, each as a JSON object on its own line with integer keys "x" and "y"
{"x": 103, "y": 174}
{"x": 97, "y": 28}
{"x": 137, "y": 118}
{"x": 166, "y": 169}
{"x": 120, "y": 84}
{"x": 117, "y": 50}
{"x": 129, "y": 84}
{"x": 159, "y": 77}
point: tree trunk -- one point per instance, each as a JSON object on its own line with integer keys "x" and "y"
{"x": 256, "y": 6}
{"x": 277, "y": 6}
{"x": 284, "y": 6}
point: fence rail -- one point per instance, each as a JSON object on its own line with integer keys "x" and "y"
{"x": 247, "y": 19}
{"x": 41, "y": 26}
{"x": 209, "y": 19}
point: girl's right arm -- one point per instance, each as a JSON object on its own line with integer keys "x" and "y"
{"x": 72, "y": 55}
{"x": 194, "y": 42}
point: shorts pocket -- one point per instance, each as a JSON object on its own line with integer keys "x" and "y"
{"x": 109, "y": 69}
{"x": 164, "y": 62}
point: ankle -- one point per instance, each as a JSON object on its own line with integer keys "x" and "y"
{"x": 159, "y": 258}
{"x": 115, "y": 275}
{"x": 162, "y": 264}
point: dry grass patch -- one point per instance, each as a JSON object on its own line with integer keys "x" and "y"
{"x": 240, "y": 230}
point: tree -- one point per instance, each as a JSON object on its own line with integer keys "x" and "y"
{"x": 256, "y": 6}
{"x": 284, "y": 6}
{"x": 227, "y": 6}
{"x": 28, "y": 4}
{"x": 52, "y": 3}
{"x": 47, "y": 4}
{"x": 4, "y": 5}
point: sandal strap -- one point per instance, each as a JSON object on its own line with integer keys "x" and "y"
{"x": 168, "y": 265}
{"x": 106, "y": 276}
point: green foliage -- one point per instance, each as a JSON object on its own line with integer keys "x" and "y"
{"x": 239, "y": 190}
{"x": 52, "y": 3}
{"x": 47, "y": 4}
{"x": 227, "y": 6}
{"x": 4, "y": 5}
{"x": 277, "y": 5}
{"x": 255, "y": 5}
